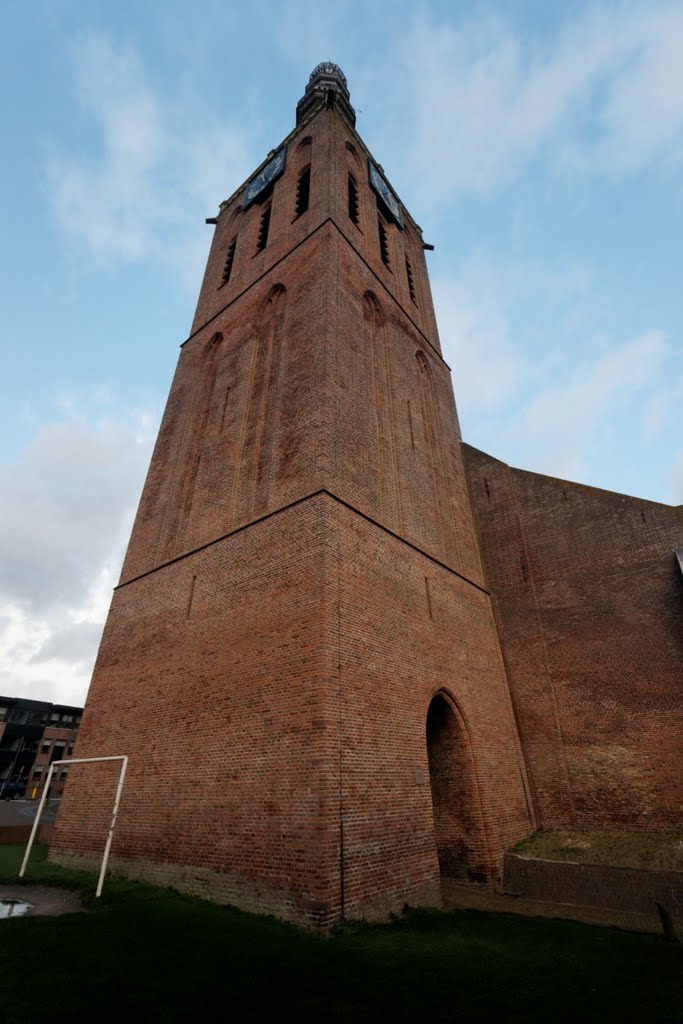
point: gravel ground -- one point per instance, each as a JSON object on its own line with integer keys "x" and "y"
{"x": 22, "y": 812}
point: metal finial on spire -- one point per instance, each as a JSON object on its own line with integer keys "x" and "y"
{"x": 326, "y": 67}
{"x": 326, "y": 85}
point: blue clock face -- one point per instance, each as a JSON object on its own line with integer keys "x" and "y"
{"x": 384, "y": 192}
{"x": 265, "y": 177}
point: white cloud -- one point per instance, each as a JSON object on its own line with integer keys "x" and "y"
{"x": 484, "y": 102}
{"x": 66, "y": 510}
{"x": 73, "y": 644}
{"x": 561, "y": 426}
{"x": 485, "y": 330}
{"x": 113, "y": 205}
{"x": 480, "y": 101}
{"x": 309, "y": 32}
{"x": 661, "y": 410}
{"x": 643, "y": 115}
{"x": 487, "y": 365}
{"x": 540, "y": 384}
{"x": 162, "y": 166}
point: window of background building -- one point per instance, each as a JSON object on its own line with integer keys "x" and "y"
{"x": 58, "y": 750}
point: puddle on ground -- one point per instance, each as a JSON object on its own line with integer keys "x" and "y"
{"x": 13, "y": 908}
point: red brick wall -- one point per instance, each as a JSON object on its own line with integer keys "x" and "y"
{"x": 22, "y": 833}
{"x": 632, "y": 890}
{"x": 331, "y": 161}
{"x": 278, "y": 394}
{"x": 410, "y": 628}
{"x": 212, "y": 677}
{"x": 314, "y": 379}
{"x": 271, "y": 682}
{"x": 589, "y": 602}
{"x": 454, "y": 798}
{"x": 296, "y": 688}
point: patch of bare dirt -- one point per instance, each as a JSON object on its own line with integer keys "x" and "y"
{"x": 45, "y": 900}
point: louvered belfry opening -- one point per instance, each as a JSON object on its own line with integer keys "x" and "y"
{"x": 229, "y": 259}
{"x": 262, "y": 240}
{"x": 411, "y": 282}
{"x": 303, "y": 192}
{"x": 383, "y": 242}
{"x": 353, "y": 200}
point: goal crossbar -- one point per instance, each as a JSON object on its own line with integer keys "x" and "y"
{"x": 81, "y": 760}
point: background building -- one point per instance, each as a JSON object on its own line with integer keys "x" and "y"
{"x": 34, "y": 733}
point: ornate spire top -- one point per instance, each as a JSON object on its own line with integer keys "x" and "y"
{"x": 326, "y": 85}
{"x": 326, "y": 67}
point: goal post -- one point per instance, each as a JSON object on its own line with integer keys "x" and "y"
{"x": 123, "y": 758}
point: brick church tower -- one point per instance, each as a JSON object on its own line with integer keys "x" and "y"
{"x": 301, "y": 658}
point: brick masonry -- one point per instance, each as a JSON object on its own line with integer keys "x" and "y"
{"x": 22, "y": 833}
{"x": 302, "y": 584}
{"x": 589, "y": 602}
{"x": 631, "y": 890}
{"x": 292, "y": 692}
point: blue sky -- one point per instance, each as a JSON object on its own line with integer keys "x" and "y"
{"x": 539, "y": 145}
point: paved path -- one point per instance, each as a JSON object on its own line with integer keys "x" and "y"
{"x": 482, "y": 897}
{"x": 22, "y": 812}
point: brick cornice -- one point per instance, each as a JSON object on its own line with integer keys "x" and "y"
{"x": 293, "y": 504}
{"x": 282, "y": 259}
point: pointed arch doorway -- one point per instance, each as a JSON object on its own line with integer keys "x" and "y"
{"x": 457, "y": 819}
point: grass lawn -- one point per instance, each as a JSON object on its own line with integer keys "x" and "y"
{"x": 149, "y": 954}
{"x": 658, "y": 851}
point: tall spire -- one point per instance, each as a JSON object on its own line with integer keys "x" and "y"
{"x": 327, "y": 85}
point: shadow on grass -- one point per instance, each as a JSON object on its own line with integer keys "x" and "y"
{"x": 150, "y": 953}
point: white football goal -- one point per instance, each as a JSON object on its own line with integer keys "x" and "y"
{"x": 123, "y": 758}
